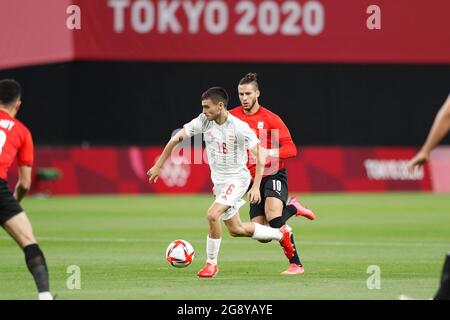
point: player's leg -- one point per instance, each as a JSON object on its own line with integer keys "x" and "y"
{"x": 231, "y": 195}
{"x": 288, "y": 211}
{"x": 257, "y": 216}
{"x": 20, "y": 229}
{"x": 259, "y": 232}
{"x": 260, "y": 219}
{"x": 214, "y": 213}
{"x": 237, "y": 228}
{"x": 444, "y": 288}
{"x": 273, "y": 209}
{"x": 213, "y": 240}
{"x": 295, "y": 208}
{"x": 277, "y": 187}
{"x": 275, "y": 193}
{"x": 257, "y": 210}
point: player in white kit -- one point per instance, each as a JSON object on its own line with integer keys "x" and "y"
{"x": 227, "y": 140}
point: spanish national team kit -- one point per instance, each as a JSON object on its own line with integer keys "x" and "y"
{"x": 226, "y": 147}
{"x": 273, "y": 133}
{"x": 15, "y": 142}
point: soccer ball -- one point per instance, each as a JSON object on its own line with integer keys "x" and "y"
{"x": 180, "y": 253}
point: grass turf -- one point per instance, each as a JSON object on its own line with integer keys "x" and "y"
{"x": 119, "y": 244}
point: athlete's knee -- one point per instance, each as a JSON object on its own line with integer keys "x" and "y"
{"x": 27, "y": 240}
{"x": 20, "y": 229}
{"x": 273, "y": 210}
{"x": 213, "y": 215}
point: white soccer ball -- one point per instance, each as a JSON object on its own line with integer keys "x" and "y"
{"x": 180, "y": 253}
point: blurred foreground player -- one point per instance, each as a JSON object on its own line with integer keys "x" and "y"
{"x": 16, "y": 142}
{"x": 440, "y": 128}
{"x": 227, "y": 141}
{"x": 275, "y": 208}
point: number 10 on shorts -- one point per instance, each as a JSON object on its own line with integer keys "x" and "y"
{"x": 276, "y": 185}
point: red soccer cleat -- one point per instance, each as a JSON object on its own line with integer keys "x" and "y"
{"x": 285, "y": 241}
{"x": 301, "y": 210}
{"x": 209, "y": 271}
{"x": 294, "y": 269}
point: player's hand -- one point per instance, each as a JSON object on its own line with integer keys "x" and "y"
{"x": 153, "y": 174}
{"x": 254, "y": 196}
{"x": 417, "y": 161}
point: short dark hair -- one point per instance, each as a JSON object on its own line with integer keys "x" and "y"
{"x": 10, "y": 91}
{"x": 216, "y": 94}
{"x": 250, "y": 78}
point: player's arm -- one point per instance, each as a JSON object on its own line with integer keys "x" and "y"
{"x": 25, "y": 159}
{"x": 23, "y": 184}
{"x": 287, "y": 148}
{"x": 440, "y": 128}
{"x": 260, "y": 154}
{"x": 154, "y": 171}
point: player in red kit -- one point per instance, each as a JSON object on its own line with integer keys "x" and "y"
{"x": 16, "y": 143}
{"x": 275, "y": 207}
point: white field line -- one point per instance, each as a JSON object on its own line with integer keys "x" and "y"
{"x": 231, "y": 241}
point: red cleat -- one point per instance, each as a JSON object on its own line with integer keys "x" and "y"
{"x": 209, "y": 271}
{"x": 301, "y": 210}
{"x": 294, "y": 269}
{"x": 285, "y": 241}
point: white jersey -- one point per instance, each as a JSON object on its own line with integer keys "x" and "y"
{"x": 226, "y": 146}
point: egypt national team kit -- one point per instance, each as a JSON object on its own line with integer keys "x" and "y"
{"x": 273, "y": 134}
{"x": 15, "y": 142}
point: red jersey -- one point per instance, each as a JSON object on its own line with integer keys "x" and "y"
{"x": 273, "y": 133}
{"x": 15, "y": 141}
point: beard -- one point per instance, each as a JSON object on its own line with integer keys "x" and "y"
{"x": 250, "y": 106}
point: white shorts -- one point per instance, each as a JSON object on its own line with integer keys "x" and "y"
{"x": 230, "y": 194}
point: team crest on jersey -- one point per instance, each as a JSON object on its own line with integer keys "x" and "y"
{"x": 260, "y": 125}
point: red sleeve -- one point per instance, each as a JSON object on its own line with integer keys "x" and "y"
{"x": 287, "y": 147}
{"x": 25, "y": 155}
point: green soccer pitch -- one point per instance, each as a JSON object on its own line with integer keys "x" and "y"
{"x": 119, "y": 243}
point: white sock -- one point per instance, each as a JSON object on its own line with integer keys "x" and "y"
{"x": 45, "y": 296}
{"x": 212, "y": 249}
{"x": 266, "y": 233}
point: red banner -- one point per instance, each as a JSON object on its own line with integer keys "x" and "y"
{"x": 355, "y": 169}
{"x": 321, "y": 169}
{"x": 354, "y": 31}
{"x": 34, "y": 32}
{"x": 281, "y": 31}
